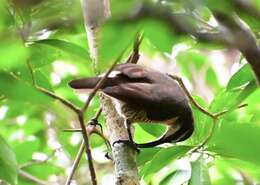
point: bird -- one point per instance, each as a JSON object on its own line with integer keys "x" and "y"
{"x": 142, "y": 94}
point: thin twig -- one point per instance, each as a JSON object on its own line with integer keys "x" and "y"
{"x": 214, "y": 116}
{"x": 205, "y": 141}
{"x": 37, "y": 162}
{"x": 80, "y": 115}
{"x": 78, "y": 157}
{"x": 62, "y": 100}
{"x": 179, "y": 80}
{"x": 93, "y": 131}
{"x": 32, "y": 178}
{"x": 134, "y": 57}
{"x": 88, "y": 150}
{"x": 72, "y": 130}
{"x": 81, "y": 150}
{"x": 75, "y": 163}
{"x": 225, "y": 111}
{"x": 52, "y": 95}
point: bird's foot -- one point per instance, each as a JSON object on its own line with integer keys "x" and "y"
{"x": 108, "y": 156}
{"x": 128, "y": 143}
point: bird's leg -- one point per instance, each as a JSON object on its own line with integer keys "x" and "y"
{"x": 129, "y": 142}
{"x": 95, "y": 123}
{"x": 128, "y": 127}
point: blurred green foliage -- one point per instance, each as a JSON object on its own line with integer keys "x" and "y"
{"x": 50, "y": 35}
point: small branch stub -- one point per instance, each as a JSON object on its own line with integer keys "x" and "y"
{"x": 124, "y": 157}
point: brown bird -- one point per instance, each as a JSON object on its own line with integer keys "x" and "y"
{"x": 145, "y": 95}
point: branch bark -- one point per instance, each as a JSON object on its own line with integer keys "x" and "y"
{"x": 124, "y": 156}
{"x": 231, "y": 32}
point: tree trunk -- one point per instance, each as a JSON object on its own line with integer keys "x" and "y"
{"x": 124, "y": 157}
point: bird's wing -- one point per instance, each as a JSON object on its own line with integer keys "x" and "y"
{"x": 123, "y": 73}
{"x": 132, "y": 70}
{"x": 133, "y": 93}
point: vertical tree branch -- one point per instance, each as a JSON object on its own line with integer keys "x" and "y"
{"x": 95, "y": 12}
{"x": 123, "y": 155}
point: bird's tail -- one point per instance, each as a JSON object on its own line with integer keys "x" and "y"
{"x": 178, "y": 136}
{"x": 91, "y": 82}
{"x": 84, "y": 83}
{"x": 173, "y": 135}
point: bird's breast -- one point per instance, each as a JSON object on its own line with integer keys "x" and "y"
{"x": 131, "y": 112}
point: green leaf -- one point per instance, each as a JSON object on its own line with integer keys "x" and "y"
{"x": 200, "y": 173}
{"x": 141, "y": 136}
{"x": 123, "y": 8}
{"x": 178, "y": 177}
{"x": 146, "y": 155}
{"x": 159, "y": 35}
{"x": 225, "y": 173}
{"x": 44, "y": 170}
{"x": 256, "y": 4}
{"x": 191, "y": 60}
{"x": 201, "y": 126}
{"x": 25, "y": 149}
{"x": 234, "y": 97}
{"x": 8, "y": 164}
{"x": 249, "y": 89}
{"x": 237, "y": 140}
{"x": 9, "y": 59}
{"x": 166, "y": 156}
{"x": 241, "y": 77}
{"x": 17, "y": 90}
{"x": 3, "y": 16}
{"x": 155, "y": 130}
{"x": 212, "y": 79}
{"x": 115, "y": 38}
{"x": 33, "y": 126}
{"x": 221, "y": 6}
{"x": 67, "y": 47}
{"x": 42, "y": 55}
{"x": 42, "y": 80}
{"x": 243, "y": 166}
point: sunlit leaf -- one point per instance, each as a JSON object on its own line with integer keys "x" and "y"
{"x": 237, "y": 140}
{"x": 241, "y": 77}
{"x": 165, "y": 156}
{"x": 25, "y": 149}
{"x": 162, "y": 37}
{"x": 178, "y": 177}
{"x": 66, "y": 46}
{"x": 8, "y": 164}
{"x": 9, "y": 59}
{"x": 200, "y": 174}
{"x": 146, "y": 155}
{"x": 15, "y": 89}
{"x": 123, "y": 8}
{"x": 44, "y": 170}
{"x": 155, "y": 130}
{"x": 114, "y": 39}
{"x": 42, "y": 55}
{"x": 191, "y": 61}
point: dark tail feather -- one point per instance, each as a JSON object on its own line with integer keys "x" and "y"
{"x": 84, "y": 83}
{"x": 178, "y": 136}
{"x": 182, "y": 134}
{"x": 90, "y": 83}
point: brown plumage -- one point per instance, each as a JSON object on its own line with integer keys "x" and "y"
{"x": 145, "y": 95}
